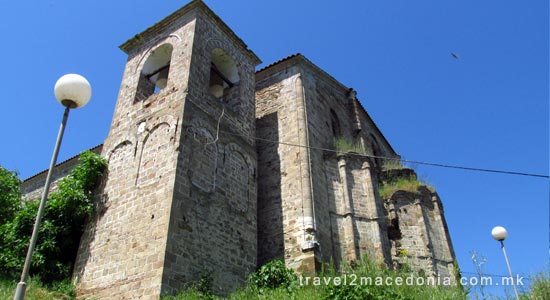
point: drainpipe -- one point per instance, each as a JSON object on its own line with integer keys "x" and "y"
{"x": 310, "y": 240}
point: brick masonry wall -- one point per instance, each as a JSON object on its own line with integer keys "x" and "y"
{"x": 420, "y": 236}
{"x": 190, "y": 192}
{"x": 355, "y": 211}
{"x": 270, "y": 216}
{"x": 122, "y": 252}
{"x": 278, "y": 112}
{"x": 354, "y": 205}
{"x": 179, "y": 201}
{"x": 213, "y": 225}
{"x": 280, "y": 172}
{"x": 351, "y": 220}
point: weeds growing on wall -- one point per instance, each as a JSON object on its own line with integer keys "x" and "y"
{"x": 409, "y": 183}
{"x": 392, "y": 164}
{"x": 61, "y": 227}
{"x": 400, "y": 184}
{"x": 386, "y": 189}
{"x": 343, "y": 145}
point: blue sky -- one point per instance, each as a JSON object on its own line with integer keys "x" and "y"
{"x": 489, "y": 108}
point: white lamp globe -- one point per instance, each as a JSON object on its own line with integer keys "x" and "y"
{"x": 499, "y": 233}
{"x": 72, "y": 90}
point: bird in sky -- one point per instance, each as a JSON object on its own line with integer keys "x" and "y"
{"x": 454, "y": 55}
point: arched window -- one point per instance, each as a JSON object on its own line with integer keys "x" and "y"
{"x": 224, "y": 78}
{"x": 335, "y": 123}
{"x": 376, "y": 151}
{"x": 154, "y": 74}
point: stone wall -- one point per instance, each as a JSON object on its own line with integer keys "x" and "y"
{"x": 122, "y": 252}
{"x": 298, "y": 104}
{"x": 418, "y": 231}
{"x": 213, "y": 225}
{"x": 179, "y": 199}
{"x": 283, "y": 178}
{"x": 205, "y": 183}
{"x": 356, "y": 214}
{"x": 270, "y": 206}
{"x": 353, "y": 205}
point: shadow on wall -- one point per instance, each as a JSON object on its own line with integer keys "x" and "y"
{"x": 270, "y": 206}
{"x": 115, "y": 179}
{"x": 89, "y": 233}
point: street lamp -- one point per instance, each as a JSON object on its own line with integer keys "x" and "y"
{"x": 499, "y": 233}
{"x": 72, "y": 91}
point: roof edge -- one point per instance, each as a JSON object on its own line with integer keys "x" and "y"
{"x": 93, "y": 149}
{"x": 299, "y": 58}
{"x": 138, "y": 39}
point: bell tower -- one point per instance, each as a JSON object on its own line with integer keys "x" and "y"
{"x": 179, "y": 199}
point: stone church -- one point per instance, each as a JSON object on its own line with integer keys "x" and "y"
{"x": 216, "y": 168}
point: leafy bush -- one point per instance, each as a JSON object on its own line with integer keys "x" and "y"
{"x": 204, "y": 287}
{"x": 272, "y": 275}
{"x": 274, "y": 281}
{"x": 10, "y": 195}
{"x": 61, "y": 227}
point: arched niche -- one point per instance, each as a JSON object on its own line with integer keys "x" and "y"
{"x": 120, "y": 163}
{"x": 204, "y": 158}
{"x": 238, "y": 178}
{"x": 378, "y": 160}
{"x": 154, "y": 73}
{"x": 155, "y": 159}
{"x": 224, "y": 77}
{"x": 335, "y": 124}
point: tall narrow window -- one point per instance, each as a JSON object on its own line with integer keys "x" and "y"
{"x": 224, "y": 77}
{"x": 335, "y": 123}
{"x": 154, "y": 74}
{"x": 376, "y": 151}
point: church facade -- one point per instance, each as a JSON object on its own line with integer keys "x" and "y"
{"x": 215, "y": 168}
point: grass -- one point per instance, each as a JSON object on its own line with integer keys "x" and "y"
{"x": 540, "y": 287}
{"x": 386, "y": 189}
{"x": 343, "y": 145}
{"x": 392, "y": 164}
{"x": 298, "y": 290}
{"x": 401, "y": 184}
{"x": 305, "y": 293}
{"x": 37, "y": 291}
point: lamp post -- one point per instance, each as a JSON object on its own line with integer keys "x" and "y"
{"x": 72, "y": 91}
{"x": 499, "y": 233}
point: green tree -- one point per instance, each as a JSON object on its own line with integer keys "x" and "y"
{"x": 540, "y": 287}
{"x": 62, "y": 225}
{"x": 10, "y": 194}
